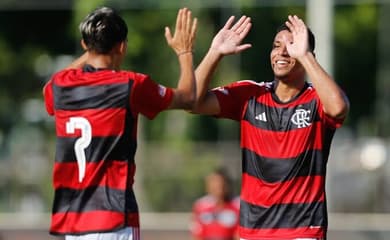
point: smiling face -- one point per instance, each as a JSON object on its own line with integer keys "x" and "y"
{"x": 284, "y": 66}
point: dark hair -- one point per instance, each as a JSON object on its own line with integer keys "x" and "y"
{"x": 312, "y": 41}
{"x": 102, "y": 29}
{"x": 222, "y": 172}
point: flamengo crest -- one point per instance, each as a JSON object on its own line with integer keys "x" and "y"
{"x": 301, "y": 118}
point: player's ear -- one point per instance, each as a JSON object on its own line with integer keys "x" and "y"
{"x": 119, "y": 48}
{"x": 83, "y": 45}
{"x": 123, "y": 47}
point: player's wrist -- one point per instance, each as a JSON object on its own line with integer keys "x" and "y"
{"x": 306, "y": 57}
{"x": 184, "y": 52}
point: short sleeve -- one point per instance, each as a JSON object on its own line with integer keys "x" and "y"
{"x": 329, "y": 121}
{"x": 48, "y": 97}
{"x": 233, "y": 98}
{"x": 333, "y": 122}
{"x": 148, "y": 97}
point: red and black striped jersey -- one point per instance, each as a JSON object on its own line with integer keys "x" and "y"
{"x": 285, "y": 149}
{"x": 211, "y": 220}
{"x": 96, "y": 113}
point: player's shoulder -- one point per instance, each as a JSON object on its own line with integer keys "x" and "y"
{"x": 62, "y": 77}
{"x": 206, "y": 201}
{"x": 254, "y": 84}
{"x": 65, "y": 72}
{"x": 133, "y": 75}
{"x": 310, "y": 86}
{"x": 310, "y": 90}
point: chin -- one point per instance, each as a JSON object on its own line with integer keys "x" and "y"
{"x": 280, "y": 75}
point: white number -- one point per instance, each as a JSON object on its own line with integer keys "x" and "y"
{"x": 82, "y": 143}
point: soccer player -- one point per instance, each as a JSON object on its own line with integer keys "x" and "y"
{"x": 216, "y": 215}
{"x": 96, "y": 106}
{"x": 287, "y": 126}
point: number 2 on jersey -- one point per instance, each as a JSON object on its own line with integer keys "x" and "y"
{"x": 82, "y": 142}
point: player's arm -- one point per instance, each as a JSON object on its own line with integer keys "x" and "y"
{"x": 182, "y": 42}
{"x": 48, "y": 97}
{"x": 227, "y": 41}
{"x": 335, "y": 102}
{"x": 79, "y": 62}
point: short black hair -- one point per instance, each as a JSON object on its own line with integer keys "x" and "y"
{"x": 312, "y": 40}
{"x": 102, "y": 29}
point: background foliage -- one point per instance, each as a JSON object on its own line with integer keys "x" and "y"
{"x": 34, "y": 43}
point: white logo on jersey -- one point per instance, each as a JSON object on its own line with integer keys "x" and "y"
{"x": 223, "y": 90}
{"x": 161, "y": 90}
{"x": 301, "y": 118}
{"x": 261, "y": 117}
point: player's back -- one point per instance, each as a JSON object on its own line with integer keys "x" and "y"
{"x": 94, "y": 162}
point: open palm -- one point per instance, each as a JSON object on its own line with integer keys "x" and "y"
{"x": 228, "y": 39}
{"x": 299, "y": 45}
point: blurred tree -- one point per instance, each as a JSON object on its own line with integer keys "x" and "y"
{"x": 355, "y": 62}
{"x": 26, "y": 36}
{"x": 32, "y": 40}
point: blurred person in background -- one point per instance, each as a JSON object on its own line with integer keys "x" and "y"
{"x": 215, "y": 216}
{"x": 287, "y": 126}
{"x": 96, "y": 106}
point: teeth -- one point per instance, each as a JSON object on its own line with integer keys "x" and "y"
{"x": 281, "y": 62}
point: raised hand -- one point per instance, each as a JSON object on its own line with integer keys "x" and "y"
{"x": 228, "y": 39}
{"x": 185, "y": 31}
{"x": 300, "y": 41}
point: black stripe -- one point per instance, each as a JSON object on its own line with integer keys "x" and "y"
{"x": 94, "y": 198}
{"x": 283, "y": 215}
{"x": 101, "y": 148}
{"x": 91, "y": 97}
{"x": 327, "y": 141}
{"x": 273, "y": 170}
{"x": 280, "y": 118}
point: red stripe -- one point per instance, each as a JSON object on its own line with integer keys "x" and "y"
{"x": 281, "y": 233}
{"x": 98, "y": 118}
{"x": 297, "y": 190}
{"x": 274, "y": 144}
{"x": 103, "y": 173}
{"x": 76, "y": 77}
{"x": 96, "y": 221}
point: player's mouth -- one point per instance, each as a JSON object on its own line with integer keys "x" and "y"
{"x": 282, "y": 63}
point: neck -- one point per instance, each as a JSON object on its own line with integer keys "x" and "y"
{"x": 287, "y": 90}
{"x": 106, "y": 61}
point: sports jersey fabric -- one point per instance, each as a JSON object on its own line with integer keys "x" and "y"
{"x": 285, "y": 148}
{"x": 96, "y": 112}
{"x": 214, "y": 222}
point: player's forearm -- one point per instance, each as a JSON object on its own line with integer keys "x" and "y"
{"x": 204, "y": 73}
{"x": 79, "y": 62}
{"x": 334, "y": 100}
{"x": 186, "y": 88}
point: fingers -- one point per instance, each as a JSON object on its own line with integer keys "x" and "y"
{"x": 185, "y": 23}
{"x": 243, "y": 47}
{"x": 191, "y": 24}
{"x": 295, "y": 24}
{"x": 182, "y": 39}
{"x": 228, "y": 23}
{"x": 238, "y": 27}
{"x": 168, "y": 35}
{"x": 188, "y": 22}
{"x": 244, "y": 27}
{"x": 194, "y": 27}
{"x": 179, "y": 19}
